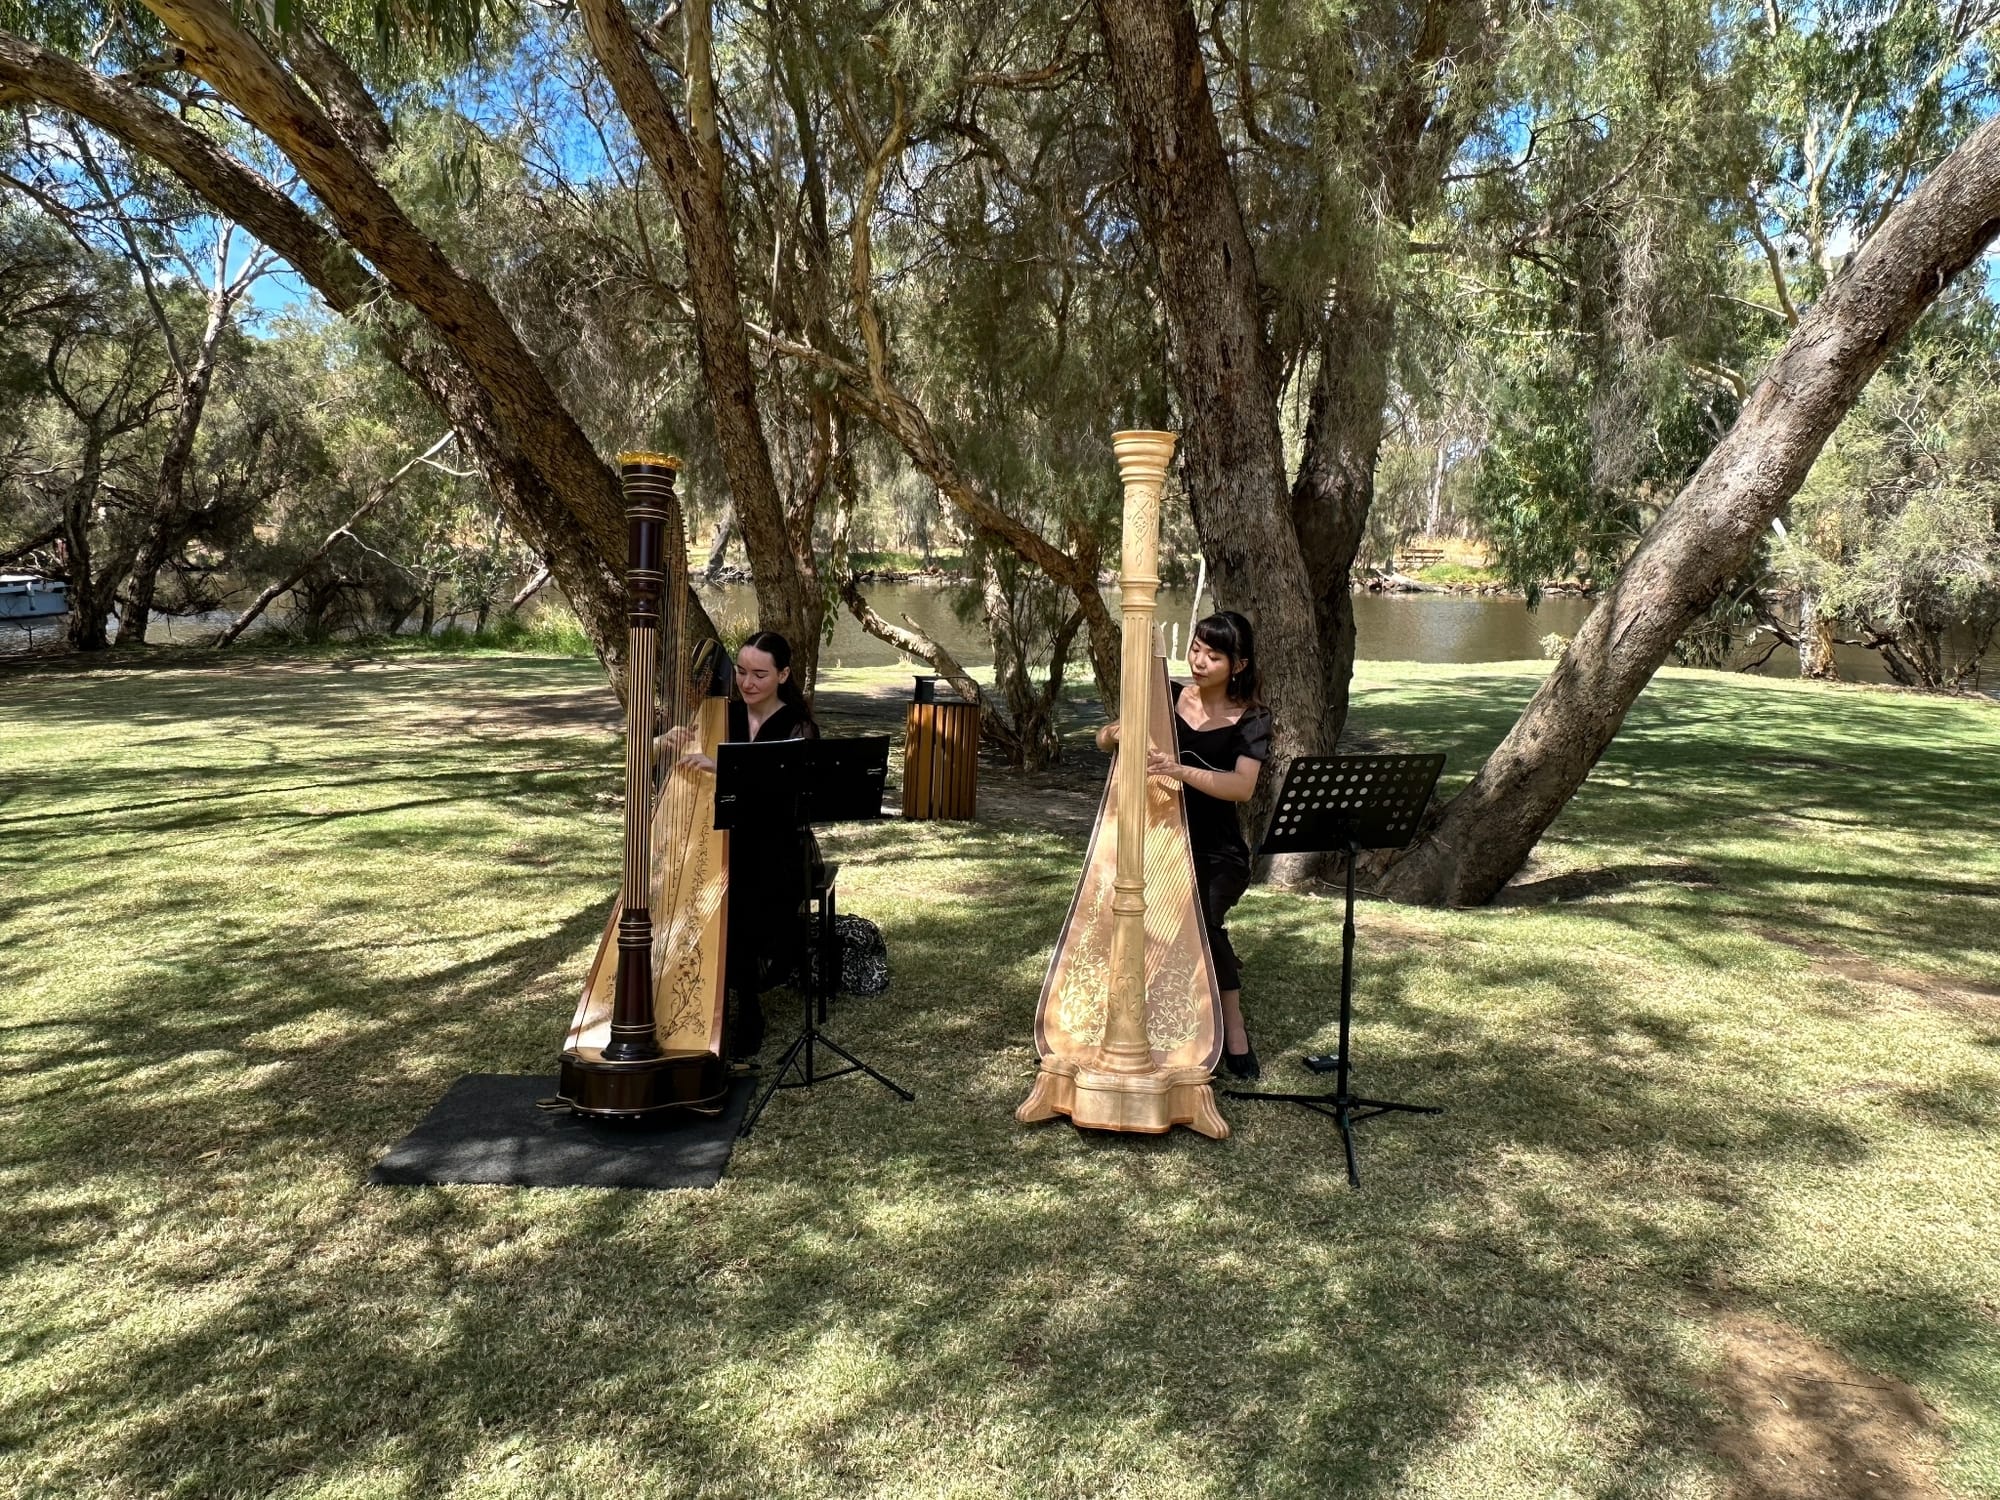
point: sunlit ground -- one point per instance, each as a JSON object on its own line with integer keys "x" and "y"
{"x": 1736, "y": 1046}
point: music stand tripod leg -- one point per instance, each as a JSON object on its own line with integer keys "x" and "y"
{"x": 1340, "y": 1105}
{"x": 785, "y": 1064}
{"x": 856, "y": 1064}
{"x": 810, "y": 1037}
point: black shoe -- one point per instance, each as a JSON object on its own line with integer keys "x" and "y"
{"x": 1243, "y": 1064}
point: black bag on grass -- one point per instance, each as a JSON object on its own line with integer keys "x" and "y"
{"x": 864, "y": 957}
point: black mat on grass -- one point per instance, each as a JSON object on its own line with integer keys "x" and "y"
{"x": 488, "y": 1129}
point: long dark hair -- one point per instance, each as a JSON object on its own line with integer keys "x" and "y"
{"x": 779, "y": 650}
{"x": 1228, "y": 634}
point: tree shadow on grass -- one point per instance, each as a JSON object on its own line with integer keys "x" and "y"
{"x": 878, "y": 1281}
{"x": 882, "y": 1294}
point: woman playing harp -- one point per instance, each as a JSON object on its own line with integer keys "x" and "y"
{"x": 1222, "y": 737}
{"x": 647, "y": 1032}
{"x": 770, "y": 865}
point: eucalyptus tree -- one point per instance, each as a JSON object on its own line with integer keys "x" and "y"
{"x": 1281, "y": 158}
{"x": 1860, "y": 101}
{"x": 1896, "y": 533}
{"x": 160, "y": 78}
{"x": 195, "y": 273}
{"x": 982, "y": 311}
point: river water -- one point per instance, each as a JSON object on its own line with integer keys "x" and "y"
{"x": 1388, "y": 627}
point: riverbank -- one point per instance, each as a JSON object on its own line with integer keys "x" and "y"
{"x": 1711, "y": 1210}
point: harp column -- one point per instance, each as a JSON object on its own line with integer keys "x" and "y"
{"x": 1104, "y": 1068}
{"x": 649, "y": 492}
{"x": 1142, "y": 466}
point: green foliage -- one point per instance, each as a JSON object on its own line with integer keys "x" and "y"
{"x": 552, "y": 630}
{"x": 1460, "y": 575}
{"x": 1575, "y": 249}
{"x": 1896, "y": 533}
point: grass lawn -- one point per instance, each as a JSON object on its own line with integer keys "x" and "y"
{"x": 1723, "y": 1078}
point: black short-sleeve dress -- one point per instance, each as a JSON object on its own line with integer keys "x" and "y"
{"x": 1215, "y": 827}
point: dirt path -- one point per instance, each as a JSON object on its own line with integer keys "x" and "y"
{"x": 1808, "y": 1424}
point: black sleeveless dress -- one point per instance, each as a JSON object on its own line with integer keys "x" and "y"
{"x": 770, "y": 873}
{"x": 1215, "y": 827}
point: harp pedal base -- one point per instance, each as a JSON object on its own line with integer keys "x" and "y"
{"x": 589, "y": 1085}
{"x": 1150, "y": 1103}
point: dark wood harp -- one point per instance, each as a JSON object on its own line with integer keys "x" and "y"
{"x": 647, "y": 1036}
{"x": 1129, "y": 1025}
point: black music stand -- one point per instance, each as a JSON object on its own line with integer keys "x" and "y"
{"x": 799, "y": 783}
{"x": 1344, "y": 804}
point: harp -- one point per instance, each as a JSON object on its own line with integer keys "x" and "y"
{"x": 1129, "y": 1025}
{"x": 647, "y": 1033}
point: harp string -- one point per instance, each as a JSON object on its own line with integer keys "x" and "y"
{"x": 675, "y": 663}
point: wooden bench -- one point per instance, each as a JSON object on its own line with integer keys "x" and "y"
{"x": 1415, "y": 559}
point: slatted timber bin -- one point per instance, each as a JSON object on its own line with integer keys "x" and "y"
{"x": 940, "y": 755}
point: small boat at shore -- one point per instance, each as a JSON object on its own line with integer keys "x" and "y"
{"x": 23, "y": 596}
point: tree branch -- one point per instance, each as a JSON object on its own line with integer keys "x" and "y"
{"x": 382, "y": 492}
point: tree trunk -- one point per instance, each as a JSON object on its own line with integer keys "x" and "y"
{"x": 89, "y": 594}
{"x": 1335, "y": 487}
{"x": 1232, "y": 457}
{"x": 539, "y": 509}
{"x": 1483, "y": 836}
{"x": 1815, "y": 640}
{"x": 718, "y": 543}
{"x": 529, "y": 589}
{"x": 1286, "y": 559}
{"x": 690, "y": 168}
{"x": 167, "y": 530}
{"x": 230, "y": 60}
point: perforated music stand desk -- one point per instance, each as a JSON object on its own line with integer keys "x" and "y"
{"x": 797, "y": 783}
{"x": 1345, "y": 804}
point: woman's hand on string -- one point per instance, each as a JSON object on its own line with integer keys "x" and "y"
{"x": 682, "y": 743}
{"x": 1107, "y": 737}
{"x": 1159, "y": 763}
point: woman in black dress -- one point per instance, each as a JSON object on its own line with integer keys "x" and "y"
{"x": 770, "y": 865}
{"x": 1223, "y": 736}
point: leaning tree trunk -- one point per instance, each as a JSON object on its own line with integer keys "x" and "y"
{"x": 462, "y": 311}
{"x": 521, "y": 411}
{"x": 1232, "y": 456}
{"x": 557, "y": 507}
{"x": 1485, "y": 834}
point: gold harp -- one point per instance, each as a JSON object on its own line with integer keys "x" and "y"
{"x": 1129, "y": 1025}
{"x": 647, "y": 1035}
